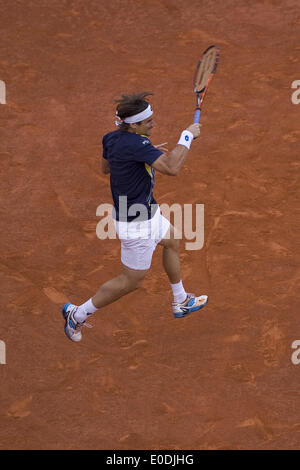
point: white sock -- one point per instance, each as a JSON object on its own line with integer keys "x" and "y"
{"x": 179, "y": 292}
{"x": 84, "y": 311}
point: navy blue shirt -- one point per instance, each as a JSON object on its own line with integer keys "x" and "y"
{"x": 130, "y": 157}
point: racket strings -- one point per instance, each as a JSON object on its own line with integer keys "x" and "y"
{"x": 205, "y": 68}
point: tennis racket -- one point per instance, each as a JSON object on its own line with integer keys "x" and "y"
{"x": 205, "y": 70}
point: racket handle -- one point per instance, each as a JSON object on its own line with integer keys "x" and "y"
{"x": 197, "y": 116}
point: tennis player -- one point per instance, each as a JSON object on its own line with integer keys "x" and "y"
{"x": 131, "y": 160}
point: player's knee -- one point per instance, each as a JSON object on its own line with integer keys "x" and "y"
{"x": 134, "y": 282}
{"x": 138, "y": 283}
{"x": 173, "y": 244}
{"x": 172, "y": 240}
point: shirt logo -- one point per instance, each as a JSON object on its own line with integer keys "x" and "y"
{"x": 145, "y": 142}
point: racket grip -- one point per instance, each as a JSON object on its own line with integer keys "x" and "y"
{"x": 197, "y": 116}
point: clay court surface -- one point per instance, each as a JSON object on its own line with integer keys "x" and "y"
{"x": 221, "y": 378}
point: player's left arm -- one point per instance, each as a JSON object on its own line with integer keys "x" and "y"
{"x": 105, "y": 166}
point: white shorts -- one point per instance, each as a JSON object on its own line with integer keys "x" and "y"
{"x": 139, "y": 240}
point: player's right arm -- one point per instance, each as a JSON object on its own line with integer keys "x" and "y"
{"x": 171, "y": 164}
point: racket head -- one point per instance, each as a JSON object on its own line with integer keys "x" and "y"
{"x": 206, "y": 67}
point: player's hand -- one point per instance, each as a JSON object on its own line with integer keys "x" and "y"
{"x": 194, "y": 129}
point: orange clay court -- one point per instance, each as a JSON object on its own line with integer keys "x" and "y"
{"x": 221, "y": 378}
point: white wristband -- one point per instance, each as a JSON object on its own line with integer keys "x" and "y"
{"x": 186, "y": 139}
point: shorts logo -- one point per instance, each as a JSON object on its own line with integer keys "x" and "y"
{"x": 187, "y": 138}
{"x": 145, "y": 142}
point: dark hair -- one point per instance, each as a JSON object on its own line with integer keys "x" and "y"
{"x": 129, "y": 105}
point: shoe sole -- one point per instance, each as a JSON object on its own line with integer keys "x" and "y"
{"x": 182, "y": 315}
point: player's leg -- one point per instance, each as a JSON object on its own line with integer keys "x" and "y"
{"x": 171, "y": 261}
{"x": 136, "y": 256}
{"x": 171, "y": 264}
{"x": 75, "y": 316}
{"x": 184, "y": 303}
{"x": 127, "y": 281}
